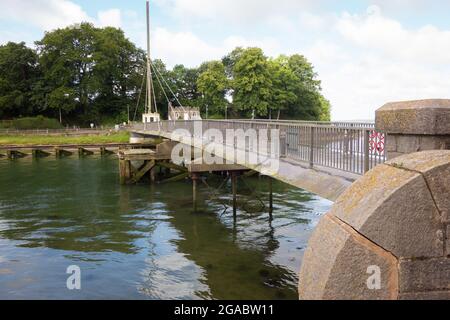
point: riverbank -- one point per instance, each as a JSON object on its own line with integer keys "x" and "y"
{"x": 30, "y": 140}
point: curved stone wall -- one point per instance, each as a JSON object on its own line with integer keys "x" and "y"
{"x": 387, "y": 236}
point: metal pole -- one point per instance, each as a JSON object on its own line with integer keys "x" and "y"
{"x": 311, "y": 145}
{"x": 234, "y": 187}
{"x": 270, "y": 198}
{"x": 149, "y": 69}
{"x": 366, "y": 151}
{"x": 194, "y": 192}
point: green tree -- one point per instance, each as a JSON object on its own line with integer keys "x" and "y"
{"x": 98, "y": 70}
{"x": 252, "y": 83}
{"x": 185, "y": 81}
{"x": 213, "y": 85}
{"x": 284, "y": 83}
{"x": 19, "y": 71}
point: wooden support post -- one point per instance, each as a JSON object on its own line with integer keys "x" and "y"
{"x": 142, "y": 171}
{"x": 60, "y": 153}
{"x": 125, "y": 171}
{"x": 105, "y": 152}
{"x": 152, "y": 175}
{"x": 83, "y": 152}
{"x": 234, "y": 189}
{"x": 38, "y": 153}
{"x": 270, "y": 198}
{"x": 194, "y": 178}
{"x": 14, "y": 154}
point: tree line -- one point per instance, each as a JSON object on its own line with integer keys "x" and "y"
{"x": 83, "y": 74}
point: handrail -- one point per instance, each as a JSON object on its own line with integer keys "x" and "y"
{"x": 347, "y": 146}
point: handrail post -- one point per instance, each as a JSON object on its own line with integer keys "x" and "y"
{"x": 366, "y": 151}
{"x": 311, "y": 146}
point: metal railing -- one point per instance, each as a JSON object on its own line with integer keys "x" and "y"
{"x": 350, "y": 147}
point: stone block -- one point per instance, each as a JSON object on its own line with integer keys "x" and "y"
{"x": 432, "y": 295}
{"x": 435, "y": 168}
{"x": 422, "y": 117}
{"x": 433, "y": 143}
{"x": 408, "y": 144}
{"x": 393, "y": 155}
{"x": 393, "y": 208}
{"x": 424, "y": 275}
{"x": 333, "y": 251}
{"x": 391, "y": 143}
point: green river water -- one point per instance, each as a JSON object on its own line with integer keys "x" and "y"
{"x": 144, "y": 241}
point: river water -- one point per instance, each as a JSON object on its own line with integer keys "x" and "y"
{"x": 144, "y": 241}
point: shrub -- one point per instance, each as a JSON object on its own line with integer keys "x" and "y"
{"x": 38, "y": 122}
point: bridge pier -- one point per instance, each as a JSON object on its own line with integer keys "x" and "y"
{"x": 388, "y": 236}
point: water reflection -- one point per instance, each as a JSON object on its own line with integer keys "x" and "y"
{"x": 143, "y": 242}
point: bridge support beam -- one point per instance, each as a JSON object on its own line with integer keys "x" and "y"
{"x": 60, "y": 153}
{"x": 14, "y": 154}
{"x": 38, "y": 153}
{"x": 82, "y": 152}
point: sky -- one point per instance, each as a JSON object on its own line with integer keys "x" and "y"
{"x": 366, "y": 53}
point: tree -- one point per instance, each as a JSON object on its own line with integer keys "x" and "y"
{"x": 213, "y": 85}
{"x": 284, "y": 83}
{"x": 252, "y": 83}
{"x": 19, "y": 71}
{"x": 98, "y": 70}
{"x": 185, "y": 81}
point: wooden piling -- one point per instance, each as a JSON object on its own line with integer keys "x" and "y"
{"x": 234, "y": 189}
{"x": 105, "y": 152}
{"x": 124, "y": 171}
{"x": 194, "y": 178}
{"x": 38, "y": 153}
{"x": 82, "y": 152}
{"x": 270, "y": 198}
{"x": 148, "y": 166}
{"x": 14, "y": 154}
{"x": 61, "y": 153}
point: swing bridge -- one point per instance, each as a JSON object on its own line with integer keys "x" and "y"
{"x": 324, "y": 158}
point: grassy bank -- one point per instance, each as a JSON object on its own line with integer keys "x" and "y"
{"x": 121, "y": 137}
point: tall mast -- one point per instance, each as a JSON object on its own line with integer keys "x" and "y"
{"x": 149, "y": 70}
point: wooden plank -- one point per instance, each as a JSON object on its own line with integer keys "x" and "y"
{"x": 142, "y": 171}
{"x": 173, "y": 166}
{"x": 177, "y": 178}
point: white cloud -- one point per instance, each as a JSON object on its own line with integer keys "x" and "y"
{"x": 45, "y": 14}
{"x": 376, "y": 60}
{"x": 51, "y": 14}
{"x": 110, "y": 18}
{"x": 188, "y": 49}
{"x": 244, "y": 11}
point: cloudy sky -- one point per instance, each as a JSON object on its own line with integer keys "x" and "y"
{"x": 367, "y": 53}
